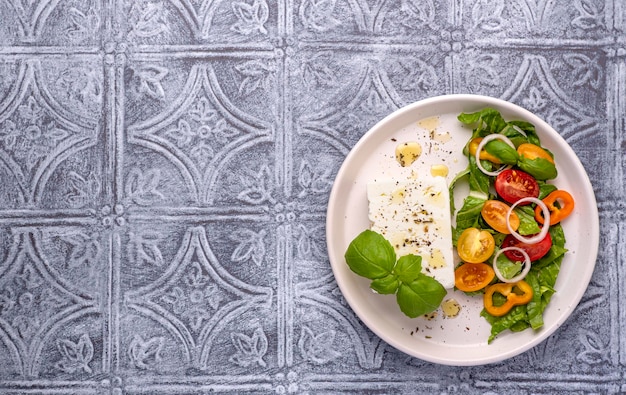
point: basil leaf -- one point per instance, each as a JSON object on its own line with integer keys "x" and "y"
{"x": 386, "y": 285}
{"x": 370, "y": 255}
{"x": 408, "y": 268}
{"x": 420, "y": 297}
{"x": 514, "y": 135}
{"x": 502, "y": 151}
{"x": 540, "y": 168}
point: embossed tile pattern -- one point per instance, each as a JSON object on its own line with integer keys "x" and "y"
{"x": 165, "y": 167}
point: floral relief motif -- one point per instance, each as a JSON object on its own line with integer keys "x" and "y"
{"x": 148, "y": 81}
{"x": 204, "y": 133}
{"x": 143, "y": 249}
{"x": 417, "y": 13}
{"x": 81, "y": 85}
{"x": 146, "y": 354}
{"x": 81, "y": 190}
{"x": 83, "y": 25}
{"x": 481, "y": 70}
{"x": 317, "y": 15}
{"x": 256, "y": 75}
{"x": 316, "y": 70}
{"x": 142, "y": 187}
{"x": 85, "y": 249}
{"x": 319, "y": 348}
{"x": 257, "y": 186}
{"x": 595, "y": 352}
{"x": 250, "y": 349}
{"x": 26, "y": 303}
{"x": 147, "y": 19}
{"x": 250, "y": 246}
{"x": 584, "y": 70}
{"x": 31, "y": 135}
{"x": 76, "y": 356}
{"x": 314, "y": 180}
{"x": 308, "y": 245}
{"x": 590, "y": 16}
{"x": 487, "y": 15}
{"x": 197, "y": 300}
{"x": 419, "y": 76}
{"x": 250, "y": 17}
{"x": 535, "y": 101}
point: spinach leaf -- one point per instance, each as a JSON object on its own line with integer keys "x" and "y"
{"x": 545, "y": 189}
{"x": 478, "y": 181}
{"x": 468, "y": 216}
{"x": 529, "y": 129}
{"x": 370, "y": 255}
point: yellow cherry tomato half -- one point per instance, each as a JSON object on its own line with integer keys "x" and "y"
{"x": 484, "y": 155}
{"x": 532, "y": 151}
{"x": 471, "y": 277}
{"x": 494, "y": 213}
{"x": 475, "y": 245}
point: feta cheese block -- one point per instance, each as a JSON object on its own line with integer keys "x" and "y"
{"x": 414, "y": 216}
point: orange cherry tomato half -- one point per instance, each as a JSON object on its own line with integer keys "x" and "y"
{"x": 494, "y": 213}
{"x": 471, "y": 277}
{"x": 484, "y": 155}
{"x": 475, "y": 245}
{"x": 532, "y": 151}
{"x": 558, "y": 212}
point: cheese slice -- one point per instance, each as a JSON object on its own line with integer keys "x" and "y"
{"x": 414, "y": 216}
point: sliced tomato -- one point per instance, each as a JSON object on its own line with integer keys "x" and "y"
{"x": 494, "y": 213}
{"x": 534, "y": 251}
{"x": 471, "y": 277}
{"x": 513, "y": 185}
{"x": 475, "y": 245}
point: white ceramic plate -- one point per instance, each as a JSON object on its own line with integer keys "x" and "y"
{"x": 461, "y": 340}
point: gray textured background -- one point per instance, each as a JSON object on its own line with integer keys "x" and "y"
{"x": 165, "y": 167}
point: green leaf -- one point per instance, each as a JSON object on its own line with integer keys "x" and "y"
{"x": 545, "y": 189}
{"x": 370, "y": 255}
{"x": 529, "y": 129}
{"x": 469, "y": 214}
{"x": 408, "y": 268}
{"x": 507, "y": 267}
{"x": 420, "y": 297}
{"x": 540, "y": 168}
{"x": 527, "y": 223}
{"x": 502, "y": 151}
{"x": 478, "y": 181}
{"x": 386, "y": 285}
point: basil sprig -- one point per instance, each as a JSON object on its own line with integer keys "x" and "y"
{"x": 370, "y": 255}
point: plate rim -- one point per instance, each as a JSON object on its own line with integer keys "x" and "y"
{"x": 485, "y": 101}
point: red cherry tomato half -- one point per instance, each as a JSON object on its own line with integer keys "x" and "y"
{"x": 513, "y": 185}
{"x": 534, "y": 251}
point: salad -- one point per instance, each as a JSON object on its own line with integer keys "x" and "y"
{"x": 508, "y": 232}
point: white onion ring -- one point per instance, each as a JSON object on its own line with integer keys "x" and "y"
{"x": 480, "y": 147}
{"x": 544, "y": 229}
{"x": 520, "y": 276}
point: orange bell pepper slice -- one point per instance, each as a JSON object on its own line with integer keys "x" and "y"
{"x": 557, "y": 213}
{"x": 512, "y": 298}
